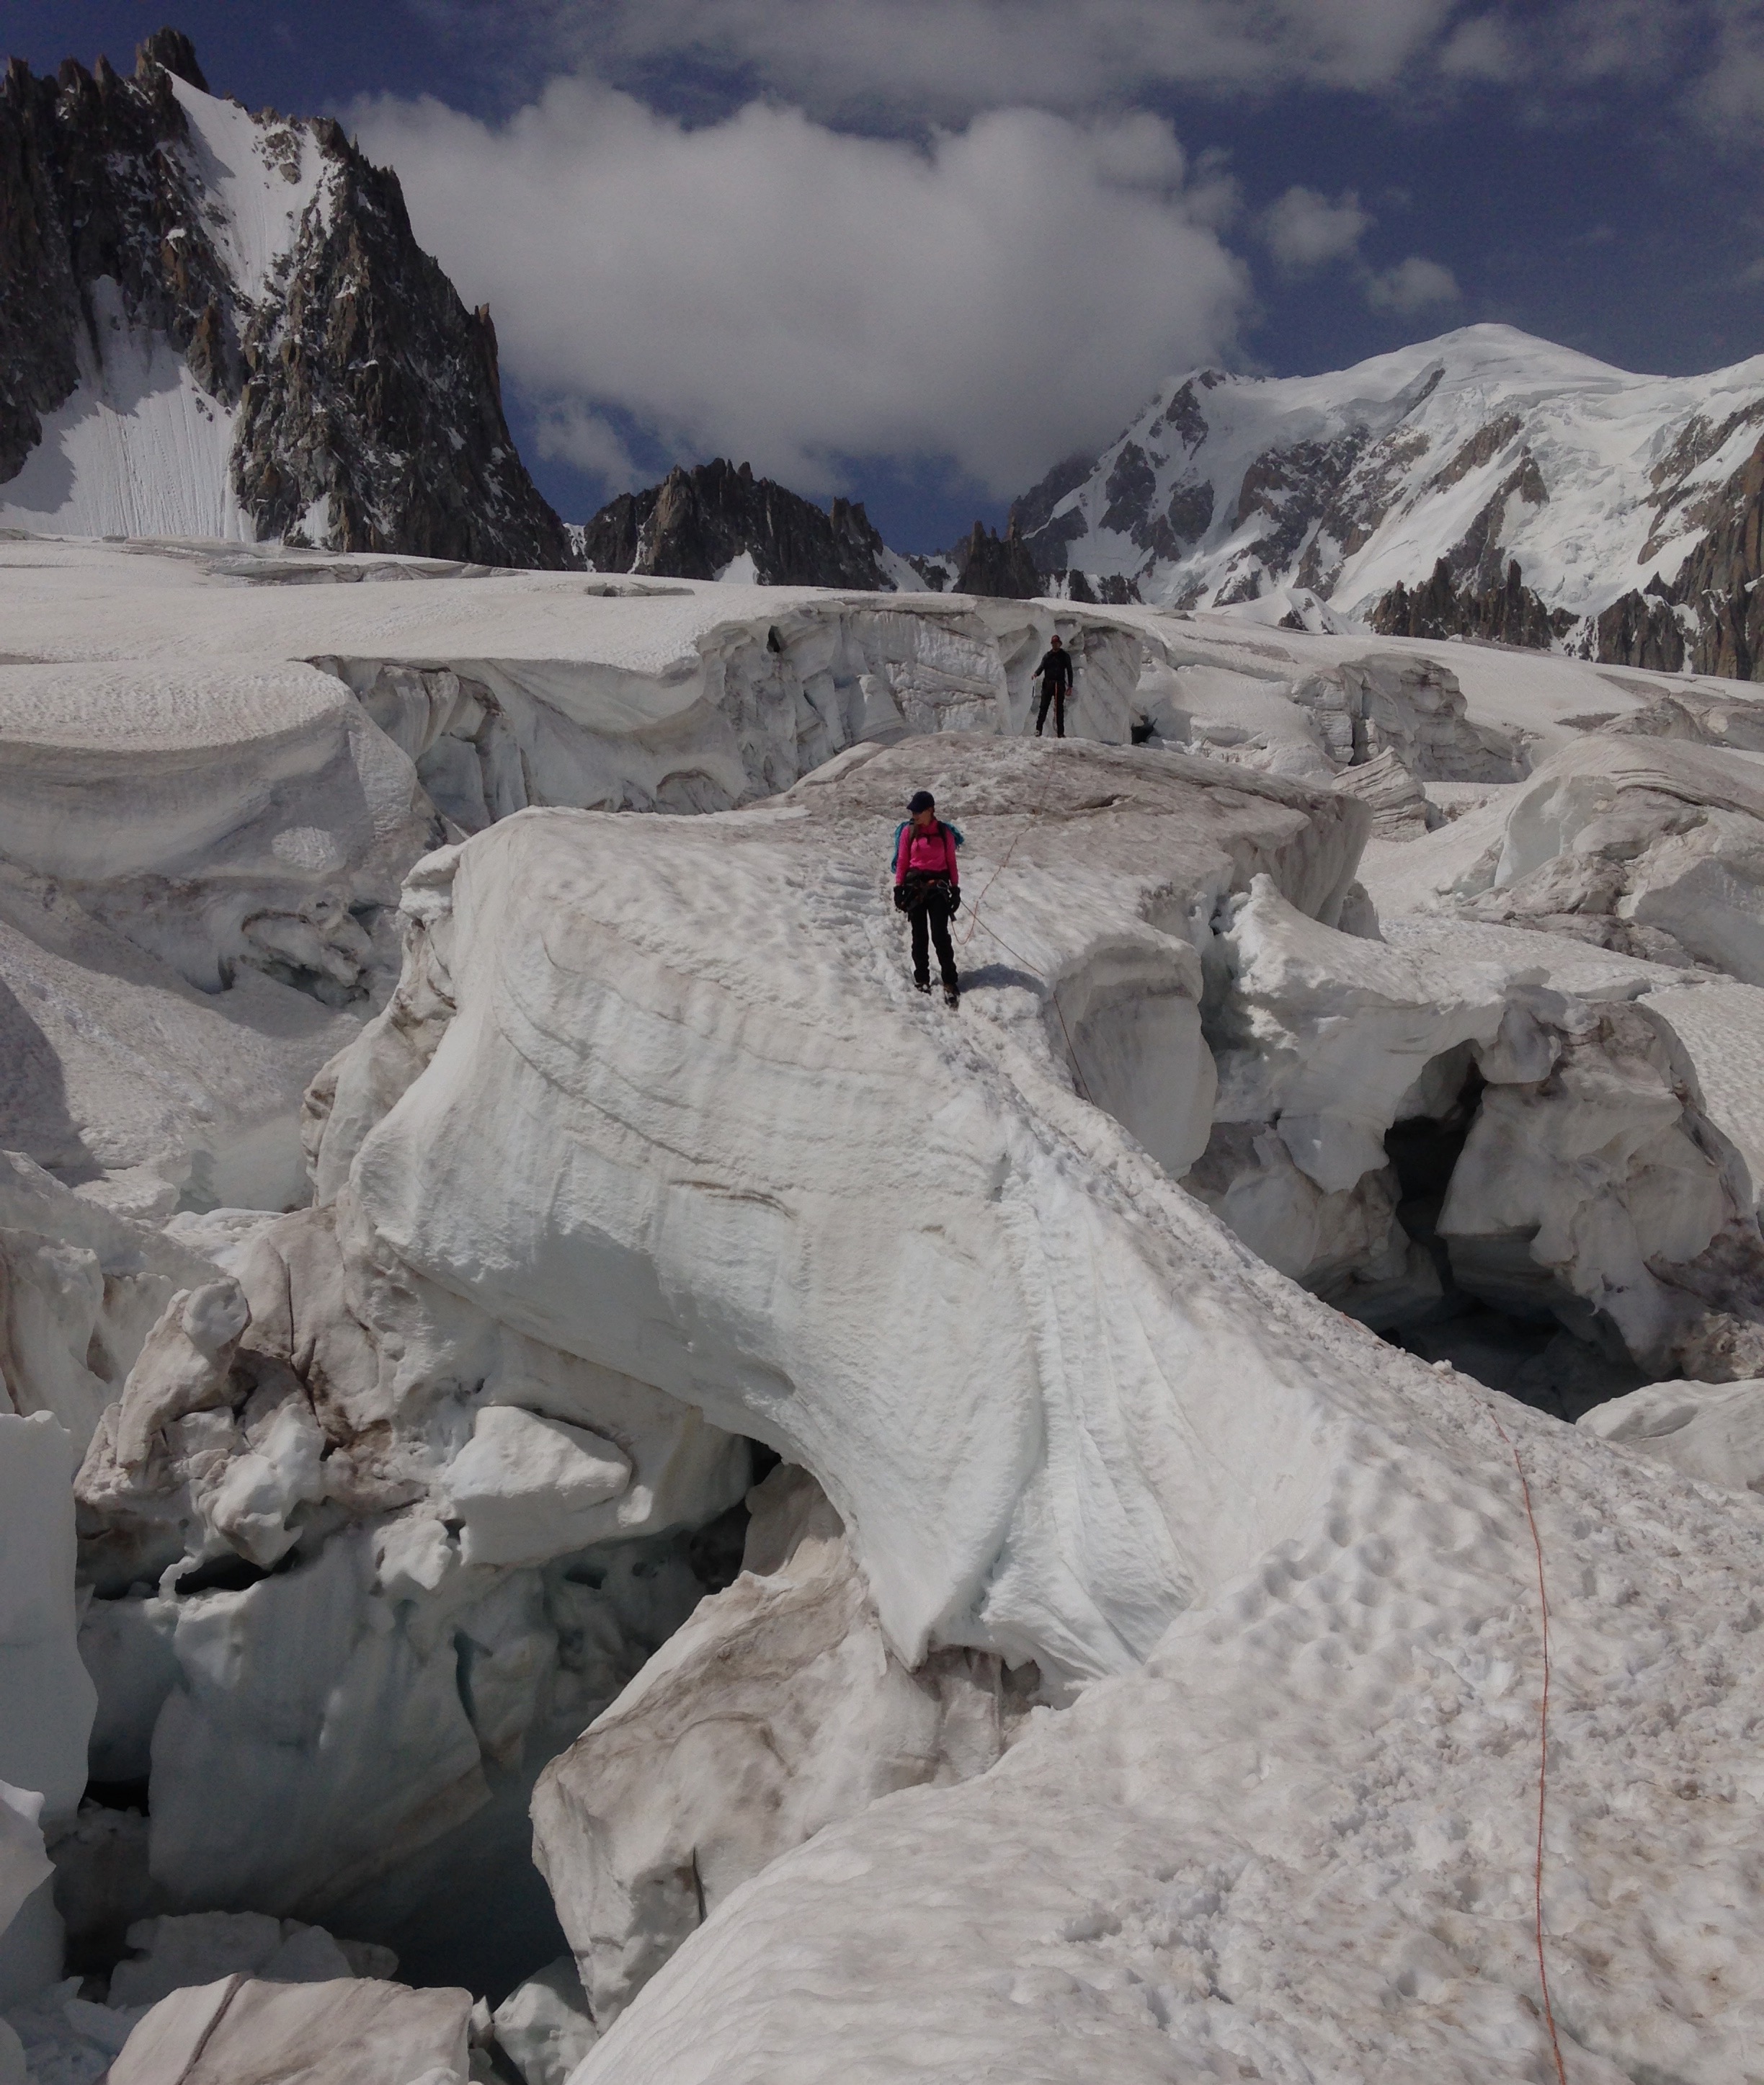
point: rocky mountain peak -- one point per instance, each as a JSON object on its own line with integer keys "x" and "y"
{"x": 280, "y": 359}
{"x": 697, "y": 523}
{"x": 173, "y": 50}
{"x": 1001, "y": 566}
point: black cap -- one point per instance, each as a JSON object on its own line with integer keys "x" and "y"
{"x": 921, "y": 800}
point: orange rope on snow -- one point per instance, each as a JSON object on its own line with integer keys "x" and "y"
{"x": 1543, "y": 1745}
{"x": 1053, "y": 993}
{"x": 974, "y": 910}
{"x": 974, "y": 920}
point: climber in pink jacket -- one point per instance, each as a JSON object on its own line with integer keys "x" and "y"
{"x": 927, "y": 888}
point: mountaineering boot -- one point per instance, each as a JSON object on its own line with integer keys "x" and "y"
{"x": 921, "y": 985}
{"x": 951, "y": 994}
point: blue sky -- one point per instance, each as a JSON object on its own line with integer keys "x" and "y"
{"x": 916, "y": 250}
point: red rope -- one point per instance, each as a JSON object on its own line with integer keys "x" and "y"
{"x": 974, "y": 920}
{"x": 1543, "y": 1746}
{"x": 1525, "y": 1485}
{"x": 974, "y": 910}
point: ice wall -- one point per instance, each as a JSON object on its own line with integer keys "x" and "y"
{"x": 47, "y": 1699}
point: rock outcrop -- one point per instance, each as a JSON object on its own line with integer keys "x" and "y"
{"x": 92, "y": 190}
{"x": 698, "y": 523}
{"x": 1446, "y": 606}
{"x": 987, "y": 564}
{"x": 245, "y": 296}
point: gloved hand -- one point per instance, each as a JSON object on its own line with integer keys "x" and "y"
{"x": 955, "y": 899}
{"x": 899, "y": 897}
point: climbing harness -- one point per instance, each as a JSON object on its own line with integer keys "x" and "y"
{"x": 1543, "y": 1744}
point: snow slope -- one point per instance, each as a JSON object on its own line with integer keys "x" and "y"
{"x": 1275, "y": 494}
{"x": 1299, "y": 1846}
{"x": 140, "y": 449}
{"x": 655, "y": 1147}
{"x": 257, "y": 177}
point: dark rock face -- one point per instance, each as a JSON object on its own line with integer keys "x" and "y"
{"x": 371, "y": 390}
{"x": 1718, "y": 582}
{"x": 1129, "y": 491}
{"x": 172, "y": 49}
{"x": 88, "y": 190}
{"x": 1116, "y": 591}
{"x": 696, "y": 523}
{"x": 1445, "y": 606}
{"x": 1033, "y": 514}
{"x": 365, "y": 387}
{"x": 1641, "y": 630}
{"x": 1002, "y": 568}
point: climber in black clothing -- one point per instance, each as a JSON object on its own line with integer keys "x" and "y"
{"x": 1055, "y": 675}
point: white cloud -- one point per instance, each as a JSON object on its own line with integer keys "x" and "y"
{"x": 953, "y": 56}
{"x": 1728, "y": 100}
{"x": 914, "y": 61}
{"x": 769, "y": 289}
{"x": 1303, "y": 228}
{"x": 572, "y": 433}
{"x": 1482, "y": 49}
{"x": 1411, "y": 285}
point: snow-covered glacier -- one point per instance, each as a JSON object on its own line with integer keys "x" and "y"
{"x": 1308, "y": 500}
{"x": 992, "y": 1541}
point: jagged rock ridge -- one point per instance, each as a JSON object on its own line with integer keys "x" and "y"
{"x": 1001, "y": 566}
{"x": 697, "y": 524}
{"x": 1484, "y": 484}
{"x": 218, "y": 324}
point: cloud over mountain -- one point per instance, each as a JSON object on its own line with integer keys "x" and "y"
{"x": 769, "y": 287}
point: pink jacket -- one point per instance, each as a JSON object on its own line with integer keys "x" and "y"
{"x": 934, "y": 852}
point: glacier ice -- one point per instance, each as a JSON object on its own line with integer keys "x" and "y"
{"x": 739, "y": 1277}
{"x": 47, "y": 1695}
{"x": 1648, "y": 847}
{"x": 243, "y": 2030}
{"x": 543, "y": 2027}
{"x": 776, "y": 1710}
{"x": 400, "y": 1503}
{"x": 85, "y": 1287}
{"x": 1710, "y": 1430}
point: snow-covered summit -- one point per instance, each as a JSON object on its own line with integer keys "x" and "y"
{"x": 218, "y": 324}
{"x": 1312, "y": 498}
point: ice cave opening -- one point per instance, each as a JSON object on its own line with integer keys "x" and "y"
{"x": 1497, "y": 1316}
{"x": 465, "y": 1905}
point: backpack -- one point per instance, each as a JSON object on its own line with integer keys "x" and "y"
{"x": 894, "y": 852}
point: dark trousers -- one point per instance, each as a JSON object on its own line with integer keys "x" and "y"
{"x": 927, "y": 912}
{"x": 1054, "y": 692}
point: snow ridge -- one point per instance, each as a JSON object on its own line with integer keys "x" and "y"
{"x": 1307, "y": 499}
